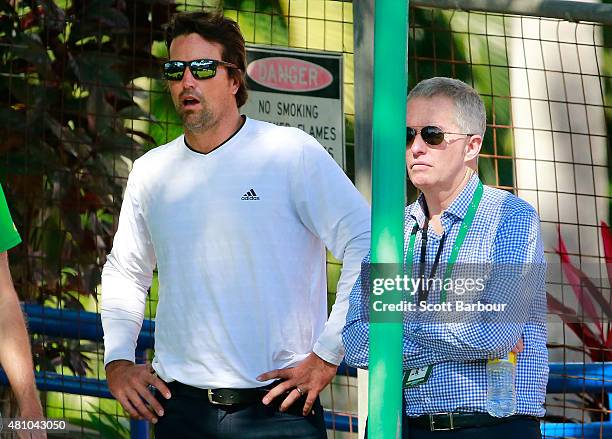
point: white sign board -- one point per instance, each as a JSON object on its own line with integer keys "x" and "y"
{"x": 299, "y": 89}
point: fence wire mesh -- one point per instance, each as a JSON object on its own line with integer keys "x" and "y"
{"x": 546, "y": 85}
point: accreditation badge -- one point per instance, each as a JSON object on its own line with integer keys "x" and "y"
{"x": 415, "y": 377}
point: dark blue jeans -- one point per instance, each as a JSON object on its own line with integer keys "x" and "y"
{"x": 187, "y": 417}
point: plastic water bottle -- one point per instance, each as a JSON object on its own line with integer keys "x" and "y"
{"x": 501, "y": 394}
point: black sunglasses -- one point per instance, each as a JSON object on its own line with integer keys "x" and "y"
{"x": 430, "y": 134}
{"x": 200, "y": 68}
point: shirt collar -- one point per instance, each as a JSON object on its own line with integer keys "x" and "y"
{"x": 457, "y": 208}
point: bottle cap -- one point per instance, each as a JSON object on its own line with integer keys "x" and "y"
{"x": 511, "y": 357}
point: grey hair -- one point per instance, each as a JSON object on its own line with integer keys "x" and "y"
{"x": 470, "y": 113}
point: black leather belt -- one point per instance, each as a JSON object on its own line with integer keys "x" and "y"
{"x": 454, "y": 421}
{"x": 228, "y": 399}
{"x": 223, "y": 396}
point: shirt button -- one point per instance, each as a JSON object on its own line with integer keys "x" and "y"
{"x": 427, "y": 400}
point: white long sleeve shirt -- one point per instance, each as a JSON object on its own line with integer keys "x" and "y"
{"x": 239, "y": 237}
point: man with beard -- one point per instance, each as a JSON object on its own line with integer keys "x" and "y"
{"x": 236, "y": 214}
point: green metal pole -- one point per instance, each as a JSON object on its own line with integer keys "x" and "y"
{"x": 388, "y": 198}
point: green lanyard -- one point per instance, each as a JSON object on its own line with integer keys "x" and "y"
{"x": 465, "y": 226}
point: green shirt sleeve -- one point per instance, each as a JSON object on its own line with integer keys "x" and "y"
{"x": 9, "y": 237}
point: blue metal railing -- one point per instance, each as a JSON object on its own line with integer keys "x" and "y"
{"x": 563, "y": 378}
{"x": 577, "y": 378}
{"x": 88, "y": 326}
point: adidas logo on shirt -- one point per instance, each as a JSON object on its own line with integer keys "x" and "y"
{"x": 250, "y": 195}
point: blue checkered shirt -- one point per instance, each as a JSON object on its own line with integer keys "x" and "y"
{"x": 505, "y": 232}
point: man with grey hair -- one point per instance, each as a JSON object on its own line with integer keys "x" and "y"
{"x": 455, "y": 223}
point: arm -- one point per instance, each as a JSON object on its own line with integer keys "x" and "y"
{"x": 356, "y": 333}
{"x": 15, "y": 354}
{"x": 518, "y": 276}
{"x": 331, "y": 208}
{"x": 126, "y": 277}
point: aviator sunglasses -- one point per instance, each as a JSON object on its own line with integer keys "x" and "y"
{"x": 200, "y": 68}
{"x": 431, "y": 135}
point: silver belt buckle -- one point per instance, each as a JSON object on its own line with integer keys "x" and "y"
{"x": 432, "y": 423}
{"x": 210, "y": 398}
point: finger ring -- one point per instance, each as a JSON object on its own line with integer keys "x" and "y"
{"x": 300, "y": 391}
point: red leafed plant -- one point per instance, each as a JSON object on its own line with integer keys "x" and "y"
{"x": 598, "y": 341}
{"x": 596, "y": 337}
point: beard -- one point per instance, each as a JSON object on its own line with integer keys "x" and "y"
{"x": 194, "y": 119}
{"x": 197, "y": 120}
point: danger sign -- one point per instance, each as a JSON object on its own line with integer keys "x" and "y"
{"x": 298, "y": 89}
{"x": 289, "y": 74}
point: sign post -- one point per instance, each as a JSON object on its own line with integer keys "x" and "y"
{"x": 388, "y": 198}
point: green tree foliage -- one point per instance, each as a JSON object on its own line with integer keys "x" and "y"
{"x": 70, "y": 131}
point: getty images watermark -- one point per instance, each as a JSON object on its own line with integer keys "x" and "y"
{"x": 411, "y": 286}
{"x": 471, "y": 292}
